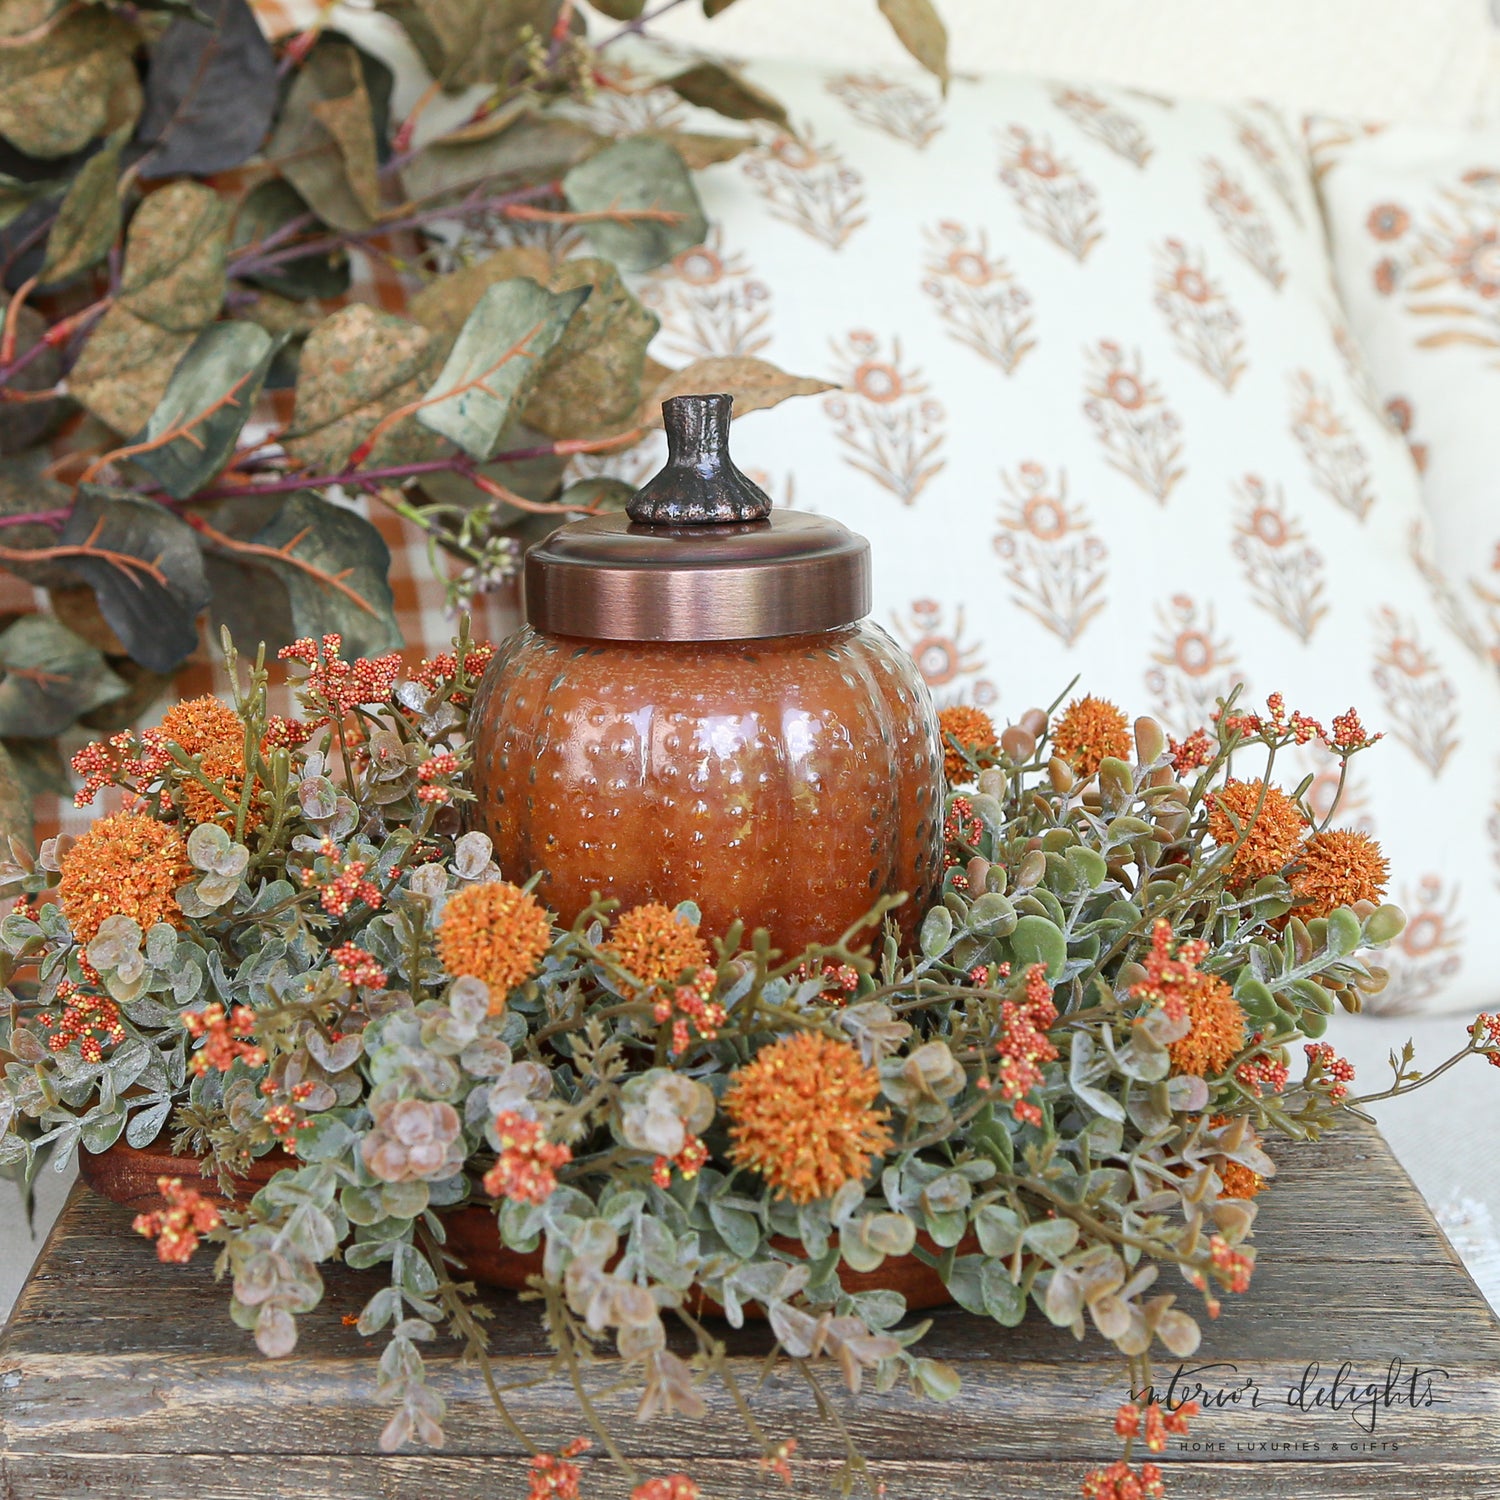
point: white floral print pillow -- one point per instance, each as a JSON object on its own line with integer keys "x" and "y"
{"x": 1100, "y": 417}
{"x": 1414, "y": 227}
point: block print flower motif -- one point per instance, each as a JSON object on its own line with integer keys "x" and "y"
{"x": 1054, "y": 198}
{"x": 1421, "y": 705}
{"x": 885, "y": 416}
{"x": 1137, "y": 429}
{"x": 898, "y": 109}
{"x": 951, "y": 665}
{"x": 1107, "y": 123}
{"x": 1453, "y": 283}
{"x": 1339, "y": 465}
{"x": 1054, "y": 562}
{"x": 1284, "y": 572}
{"x": 1259, "y": 148}
{"x": 1492, "y": 827}
{"x": 807, "y": 184}
{"x": 1327, "y": 138}
{"x": 1446, "y": 599}
{"x": 1349, "y": 808}
{"x": 1205, "y": 328}
{"x": 1401, "y": 414}
{"x": 629, "y": 102}
{"x": 710, "y": 302}
{"x": 1192, "y": 665}
{"x": 1352, "y": 357}
{"x": 1428, "y": 955}
{"x": 977, "y": 296}
{"x": 1243, "y": 222}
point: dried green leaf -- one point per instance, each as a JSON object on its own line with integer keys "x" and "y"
{"x": 51, "y": 676}
{"x": 261, "y": 212}
{"x": 598, "y": 492}
{"x": 442, "y": 305}
{"x": 726, "y": 91}
{"x": 26, "y": 489}
{"x": 146, "y": 570}
{"x": 534, "y": 149}
{"x": 124, "y": 367}
{"x": 16, "y": 195}
{"x": 334, "y": 565}
{"x": 15, "y": 808}
{"x": 175, "y": 251}
{"x": 755, "y": 385}
{"x": 75, "y": 82}
{"x": 495, "y": 361}
{"x": 143, "y": 689}
{"x": 699, "y": 150}
{"x": 23, "y": 423}
{"x": 89, "y": 218}
{"x": 465, "y": 42}
{"x": 40, "y": 766}
{"x": 210, "y": 91}
{"x": 592, "y": 378}
{"x": 499, "y": 118}
{"x": 638, "y": 175}
{"x": 324, "y": 142}
{"x": 920, "y": 29}
{"x": 619, "y": 10}
{"x": 357, "y": 366}
{"x": 712, "y": 8}
{"x": 207, "y": 402}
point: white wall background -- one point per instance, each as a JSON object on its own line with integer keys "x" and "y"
{"x": 1379, "y": 59}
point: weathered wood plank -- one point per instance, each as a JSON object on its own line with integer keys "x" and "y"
{"x": 121, "y": 1377}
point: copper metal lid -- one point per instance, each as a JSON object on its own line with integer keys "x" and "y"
{"x": 698, "y": 556}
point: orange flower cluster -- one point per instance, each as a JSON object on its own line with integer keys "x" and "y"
{"x": 1118, "y": 1481}
{"x": 1491, "y": 1045}
{"x": 209, "y": 728}
{"x": 971, "y": 728}
{"x": 229, "y": 1038}
{"x": 668, "y": 1487}
{"x": 125, "y": 760}
{"x": 1338, "y": 868}
{"x": 1265, "y": 818}
{"x": 338, "y": 685}
{"x": 431, "y": 774}
{"x": 92, "y": 1021}
{"x": 1238, "y": 1180}
{"x": 358, "y": 968}
{"x": 1160, "y": 1423}
{"x": 553, "y": 1477}
{"x": 1279, "y": 726}
{"x": 129, "y": 865}
{"x": 1089, "y": 730}
{"x": 1024, "y": 1045}
{"x": 1349, "y": 734}
{"x": 1176, "y": 984}
{"x": 1324, "y": 1062}
{"x": 689, "y": 1161}
{"x": 1195, "y": 751}
{"x": 659, "y": 945}
{"x": 779, "y": 1460}
{"x": 439, "y": 671}
{"x": 526, "y": 1170}
{"x": 176, "y": 1227}
{"x": 803, "y": 1116}
{"x": 345, "y": 886}
{"x": 496, "y": 932}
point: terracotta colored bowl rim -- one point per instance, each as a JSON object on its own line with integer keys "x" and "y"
{"x": 128, "y": 1175}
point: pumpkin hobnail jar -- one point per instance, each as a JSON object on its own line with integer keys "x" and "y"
{"x": 788, "y": 782}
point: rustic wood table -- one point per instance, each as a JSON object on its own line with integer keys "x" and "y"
{"x": 1364, "y": 1363}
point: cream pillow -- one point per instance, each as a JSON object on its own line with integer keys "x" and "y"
{"x": 1100, "y": 418}
{"x": 1414, "y": 226}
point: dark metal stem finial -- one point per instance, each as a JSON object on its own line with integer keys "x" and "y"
{"x": 699, "y": 484}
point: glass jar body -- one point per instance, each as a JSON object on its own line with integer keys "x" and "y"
{"x": 786, "y": 782}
